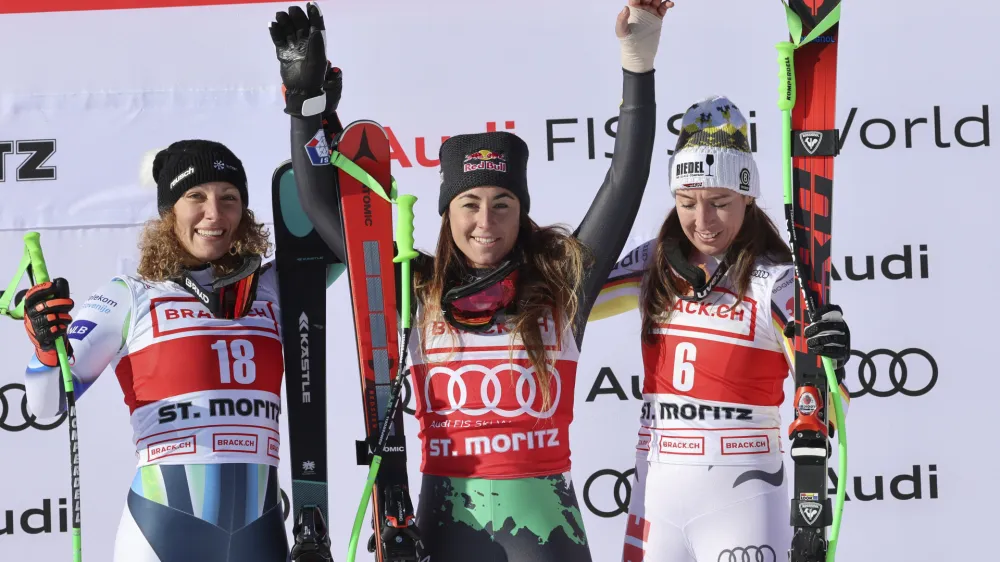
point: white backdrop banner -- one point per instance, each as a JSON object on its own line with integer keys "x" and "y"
{"x": 88, "y": 87}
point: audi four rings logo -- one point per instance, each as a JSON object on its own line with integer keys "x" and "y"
{"x": 763, "y": 553}
{"x": 898, "y": 374}
{"x": 620, "y": 486}
{"x": 491, "y": 390}
{"x": 14, "y": 415}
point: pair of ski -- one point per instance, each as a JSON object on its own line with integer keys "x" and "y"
{"x": 807, "y": 100}
{"x": 306, "y": 267}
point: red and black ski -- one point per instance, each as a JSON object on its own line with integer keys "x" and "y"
{"x": 815, "y": 141}
{"x": 368, "y": 233}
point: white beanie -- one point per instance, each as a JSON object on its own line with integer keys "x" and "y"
{"x": 713, "y": 150}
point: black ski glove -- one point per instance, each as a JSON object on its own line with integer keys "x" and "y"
{"x": 828, "y": 335}
{"x": 300, "y": 43}
{"x": 46, "y": 318}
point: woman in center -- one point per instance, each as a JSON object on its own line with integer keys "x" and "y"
{"x": 500, "y": 314}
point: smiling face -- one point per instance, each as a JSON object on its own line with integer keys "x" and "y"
{"x": 484, "y": 224}
{"x": 711, "y": 217}
{"x": 208, "y": 216}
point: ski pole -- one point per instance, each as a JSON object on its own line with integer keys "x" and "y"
{"x": 33, "y": 263}
{"x": 404, "y": 241}
{"x": 786, "y": 102}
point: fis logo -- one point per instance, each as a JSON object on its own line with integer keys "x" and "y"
{"x": 485, "y": 160}
{"x": 318, "y": 150}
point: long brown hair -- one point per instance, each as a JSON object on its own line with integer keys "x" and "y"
{"x": 758, "y": 237}
{"x": 162, "y": 257}
{"x": 553, "y": 264}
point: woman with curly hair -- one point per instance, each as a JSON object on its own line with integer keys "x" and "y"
{"x": 194, "y": 341}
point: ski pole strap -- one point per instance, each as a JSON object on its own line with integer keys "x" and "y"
{"x": 8, "y": 295}
{"x": 357, "y": 172}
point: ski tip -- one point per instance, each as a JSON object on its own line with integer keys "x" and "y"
{"x": 278, "y": 171}
{"x": 288, "y": 207}
{"x": 363, "y": 123}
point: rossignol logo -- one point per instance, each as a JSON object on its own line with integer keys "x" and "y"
{"x": 32, "y": 167}
{"x": 810, "y": 511}
{"x": 893, "y": 266}
{"x": 304, "y": 357}
{"x": 811, "y": 140}
{"x": 181, "y": 176}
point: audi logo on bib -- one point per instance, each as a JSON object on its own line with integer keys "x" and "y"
{"x": 911, "y": 372}
{"x": 508, "y": 390}
{"x": 14, "y": 413}
{"x": 493, "y": 417}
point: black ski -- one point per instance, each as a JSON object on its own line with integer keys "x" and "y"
{"x": 303, "y": 264}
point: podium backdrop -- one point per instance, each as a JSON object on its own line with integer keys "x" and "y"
{"x": 90, "y": 86}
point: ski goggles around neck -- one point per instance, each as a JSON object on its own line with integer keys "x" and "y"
{"x": 475, "y": 306}
{"x": 230, "y": 297}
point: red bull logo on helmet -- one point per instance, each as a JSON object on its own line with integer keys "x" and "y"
{"x": 485, "y": 160}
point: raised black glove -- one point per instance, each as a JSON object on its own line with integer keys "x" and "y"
{"x": 300, "y": 43}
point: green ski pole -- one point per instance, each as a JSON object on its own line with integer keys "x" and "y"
{"x": 404, "y": 242}
{"x": 33, "y": 263}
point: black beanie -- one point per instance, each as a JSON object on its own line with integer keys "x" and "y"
{"x": 475, "y": 160}
{"x": 188, "y": 163}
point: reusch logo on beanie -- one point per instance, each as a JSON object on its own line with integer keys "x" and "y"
{"x": 713, "y": 151}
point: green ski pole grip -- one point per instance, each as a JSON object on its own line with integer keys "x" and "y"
{"x": 38, "y": 268}
{"x": 404, "y": 242}
{"x": 404, "y": 228}
{"x": 786, "y": 75}
{"x": 786, "y": 101}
